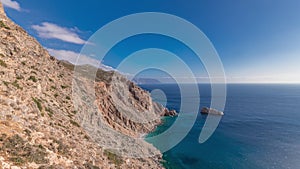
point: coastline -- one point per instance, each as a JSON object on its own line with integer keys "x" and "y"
{"x": 166, "y": 122}
{"x": 43, "y": 98}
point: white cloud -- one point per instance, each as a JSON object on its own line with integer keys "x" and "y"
{"x": 52, "y": 31}
{"x": 72, "y": 57}
{"x": 11, "y": 4}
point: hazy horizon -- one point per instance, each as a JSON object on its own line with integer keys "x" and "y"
{"x": 257, "y": 41}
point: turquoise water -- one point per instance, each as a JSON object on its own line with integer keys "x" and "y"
{"x": 260, "y": 130}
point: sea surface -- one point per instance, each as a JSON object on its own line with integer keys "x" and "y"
{"x": 260, "y": 129}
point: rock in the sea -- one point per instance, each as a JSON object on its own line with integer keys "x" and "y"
{"x": 170, "y": 113}
{"x": 206, "y": 110}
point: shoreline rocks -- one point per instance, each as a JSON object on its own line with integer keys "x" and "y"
{"x": 169, "y": 113}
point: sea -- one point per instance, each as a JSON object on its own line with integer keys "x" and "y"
{"x": 260, "y": 128}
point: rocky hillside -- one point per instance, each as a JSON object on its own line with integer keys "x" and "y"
{"x": 41, "y": 128}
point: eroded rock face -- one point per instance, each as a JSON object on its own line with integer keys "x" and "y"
{"x": 131, "y": 106}
{"x": 121, "y": 106}
{"x": 37, "y": 110}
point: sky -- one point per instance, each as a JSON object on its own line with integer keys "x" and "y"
{"x": 258, "y": 41}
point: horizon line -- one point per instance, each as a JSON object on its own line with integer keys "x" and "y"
{"x": 293, "y": 83}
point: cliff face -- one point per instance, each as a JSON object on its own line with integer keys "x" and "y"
{"x": 39, "y": 125}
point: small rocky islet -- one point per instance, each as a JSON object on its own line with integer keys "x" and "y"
{"x": 207, "y": 110}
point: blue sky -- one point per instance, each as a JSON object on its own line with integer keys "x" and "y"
{"x": 257, "y": 40}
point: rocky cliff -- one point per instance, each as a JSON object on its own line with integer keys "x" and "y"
{"x": 41, "y": 128}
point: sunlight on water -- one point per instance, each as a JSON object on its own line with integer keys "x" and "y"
{"x": 260, "y": 130}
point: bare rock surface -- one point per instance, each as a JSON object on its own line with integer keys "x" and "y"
{"x": 41, "y": 128}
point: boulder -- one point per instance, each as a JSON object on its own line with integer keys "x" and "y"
{"x": 170, "y": 113}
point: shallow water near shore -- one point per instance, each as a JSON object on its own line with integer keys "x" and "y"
{"x": 260, "y": 129}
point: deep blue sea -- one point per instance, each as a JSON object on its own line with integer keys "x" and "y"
{"x": 260, "y": 129}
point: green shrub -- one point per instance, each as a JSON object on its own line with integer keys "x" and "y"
{"x": 15, "y": 83}
{"x": 2, "y": 25}
{"x": 74, "y": 123}
{"x": 19, "y": 77}
{"x": 64, "y": 87}
{"x": 20, "y": 152}
{"x": 62, "y": 148}
{"x": 90, "y": 166}
{"x": 68, "y": 98}
{"x": 50, "y": 112}
{"x": 2, "y": 63}
{"x": 17, "y": 160}
{"x": 5, "y": 83}
{"x": 38, "y": 103}
{"x": 33, "y": 72}
{"x": 32, "y": 78}
{"x": 86, "y": 137}
{"x": 114, "y": 158}
{"x": 2, "y": 137}
{"x": 28, "y": 132}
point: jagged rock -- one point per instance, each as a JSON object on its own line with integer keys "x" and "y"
{"x": 170, "y": 113}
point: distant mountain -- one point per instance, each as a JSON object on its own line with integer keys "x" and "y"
{"x": 146, "y": 81}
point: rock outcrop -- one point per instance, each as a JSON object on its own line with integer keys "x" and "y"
{"x": 41, "y": 128}
{"x": 206, "y": 110}
{"x": 169, "y": 113}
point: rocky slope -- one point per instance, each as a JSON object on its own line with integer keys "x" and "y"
{"x": 41, "y": 128}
